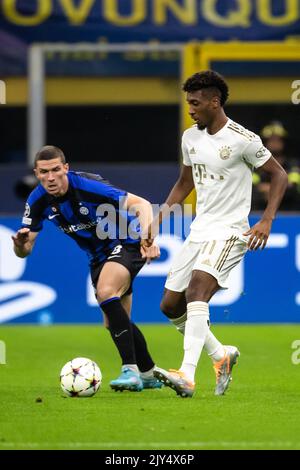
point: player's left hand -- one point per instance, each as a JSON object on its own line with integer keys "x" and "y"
{"x": 259, "y": 234}
{"x": 150, "y": 253}
{"x": 150, "y": 233}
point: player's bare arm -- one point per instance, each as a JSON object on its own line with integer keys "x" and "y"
{"x": 181, "y": 189}
{"x": 24, "y": 241}
{"x": 178, "y": 193}
{"x": 143, "y": 209}
{"x": 260, "y": 232}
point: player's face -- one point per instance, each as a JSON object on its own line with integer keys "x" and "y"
{"x": 201, "y": 107}
{"x": 52, "y": 174}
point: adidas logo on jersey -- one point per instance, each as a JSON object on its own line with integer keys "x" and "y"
{"x": 192, "y": 151}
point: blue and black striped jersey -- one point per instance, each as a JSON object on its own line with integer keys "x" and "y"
{"x": 91, "y": 212}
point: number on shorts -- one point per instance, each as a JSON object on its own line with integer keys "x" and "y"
{"x": 116, "y": 250}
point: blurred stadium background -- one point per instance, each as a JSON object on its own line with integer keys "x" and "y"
{"x": 102, "y": 80}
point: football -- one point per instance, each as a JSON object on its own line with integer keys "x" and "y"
{"x": 80, "y": 377}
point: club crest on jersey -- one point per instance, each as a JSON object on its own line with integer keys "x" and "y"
{"x": 225, "y": 152}
{"x": 53, "y": 209}
{"x": 84, "y": 210}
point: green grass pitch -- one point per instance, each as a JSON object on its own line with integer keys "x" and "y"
{"x": 261, "y": 409}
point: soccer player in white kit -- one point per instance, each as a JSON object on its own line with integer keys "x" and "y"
{"x": 218, "y": 158}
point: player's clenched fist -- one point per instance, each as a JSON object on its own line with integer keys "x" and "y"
{"x": 150, "y": 253}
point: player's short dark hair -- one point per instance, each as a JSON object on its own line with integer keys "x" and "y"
{"x": 48, "y": 152}
{"x": 207, "y": 80}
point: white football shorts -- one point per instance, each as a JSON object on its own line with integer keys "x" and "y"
{"x": 216, "y": 257}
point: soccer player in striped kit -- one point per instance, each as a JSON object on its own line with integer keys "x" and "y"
{"x": 77, "y": 203}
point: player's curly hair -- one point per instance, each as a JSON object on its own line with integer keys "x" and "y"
{"x": 207, "y": 79}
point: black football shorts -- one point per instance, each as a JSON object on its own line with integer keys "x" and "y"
{"x": 128, "y": 255}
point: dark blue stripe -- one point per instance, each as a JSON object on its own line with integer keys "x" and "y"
{"x": 109, "y": 300}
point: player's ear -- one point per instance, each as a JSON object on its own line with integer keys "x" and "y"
{"x": 66, "y": 166}
{"x": 215, "y": 102}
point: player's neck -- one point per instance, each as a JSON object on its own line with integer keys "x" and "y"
{"x": 64, "y": 188}
{"x": 217, "y": 124}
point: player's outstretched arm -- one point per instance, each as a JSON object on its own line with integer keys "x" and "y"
{"x": 23, "y": 242}
{"x": 260, "y": 232}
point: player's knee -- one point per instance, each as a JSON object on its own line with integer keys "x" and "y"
{"x": 168, "y": 308}
{"x": 106, "y": 292}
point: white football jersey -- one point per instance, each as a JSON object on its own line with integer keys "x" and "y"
{"x": 222, "y": 171}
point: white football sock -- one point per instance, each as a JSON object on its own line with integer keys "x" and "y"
{"x": 179, "y": 322}
{"x": 196, "y": 329}
{"x": 213, "y": 347}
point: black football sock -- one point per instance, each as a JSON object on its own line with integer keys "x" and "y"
{"x": 143, "y": 358}
{"x": 120, "y": 329}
